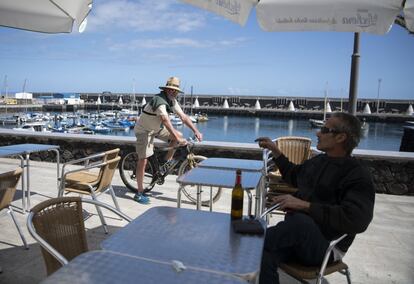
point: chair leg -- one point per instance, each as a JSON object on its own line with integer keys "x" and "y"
{"x": 98, "y": 209}
{"x": 111, "y": 190}
{"x": 11, "y": 213}
{"x": 347, "y": 273}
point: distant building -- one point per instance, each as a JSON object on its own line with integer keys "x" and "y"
{"x": 60, "y": 99}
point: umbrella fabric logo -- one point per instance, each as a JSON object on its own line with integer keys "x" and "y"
{"x": 362, "y": 19}
{"x": 232, "y": 7}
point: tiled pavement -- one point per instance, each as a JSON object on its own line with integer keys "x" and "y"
{"x": 383, "y": 254}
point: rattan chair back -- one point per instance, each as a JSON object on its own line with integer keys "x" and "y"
{"x": 296, "y": 149}
{"x": 8, "y": 183}
{"x": 108, "y": 172}
{"x": 59, "y": 221}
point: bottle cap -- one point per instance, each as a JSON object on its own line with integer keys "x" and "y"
{"x": 238, "y": 172}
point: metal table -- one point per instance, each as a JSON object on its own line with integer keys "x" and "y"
{"x": 23, "y": 151}
{"x": 232, "y": 164}
{"x": 101, "y": 267}
{"x": 202, "y": 176}
{"x": 245, "y": 166}
{"x": 199, "y": 239}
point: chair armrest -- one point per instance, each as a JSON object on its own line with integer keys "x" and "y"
{"x": 42, "y": 242}
{"x": 106, "y": 206}
{"x": 332, "y": 244}
{"x": 85, "y": 160}
{"x": 274, "y": 207}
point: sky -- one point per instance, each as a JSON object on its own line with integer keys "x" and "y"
{"x": 135, "y": 45}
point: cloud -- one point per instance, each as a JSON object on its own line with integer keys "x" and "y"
{"x": 176, "y": 42}
{"x": 143, "y": 16}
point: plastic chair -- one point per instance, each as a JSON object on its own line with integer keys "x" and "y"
{"x": 8, "y": 183}
{"x": 91, "y": 187}
{"x": 303, "y": 273}
{"x": 297, "y": 150}
{"x": 57, "y": 225}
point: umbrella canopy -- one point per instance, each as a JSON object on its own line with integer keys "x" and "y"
{"x": 373, "y": 16}
{"x": 48, "y": 16}
{"x": 409, "y": 14}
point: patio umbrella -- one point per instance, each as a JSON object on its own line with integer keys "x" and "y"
{"x": 48, "y": 16}
{"x": 372, "y": 16}
{"x": 409, "y": 15}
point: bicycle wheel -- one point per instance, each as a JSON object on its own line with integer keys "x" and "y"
{"x": 127, "y": 171}
{"x": 190, "y": 191}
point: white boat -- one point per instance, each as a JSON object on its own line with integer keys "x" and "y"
{"x": 175, "y": 120}
{"x": 33, "y": 127}
{"x": 316, "y": 123}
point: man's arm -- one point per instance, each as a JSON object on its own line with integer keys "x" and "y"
{"x": 165, "y": 119}
{"x": 187, "y": 121}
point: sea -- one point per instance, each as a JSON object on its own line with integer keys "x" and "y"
{"x": 245, "y": 129}
{"x": 376, "y": 135}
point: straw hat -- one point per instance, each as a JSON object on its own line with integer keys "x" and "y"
{"x": 172, "y": 83}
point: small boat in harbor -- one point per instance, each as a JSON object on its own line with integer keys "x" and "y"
{"x": 33, "y": 127}
{"x": 202, "y": 117}
{"x": 316, "y": 123}
{"x": 175, "y": 120}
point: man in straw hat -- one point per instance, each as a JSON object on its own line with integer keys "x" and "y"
{"x": 154, "y": 122}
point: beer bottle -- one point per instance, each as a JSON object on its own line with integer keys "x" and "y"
{"x": 237, "y": 198}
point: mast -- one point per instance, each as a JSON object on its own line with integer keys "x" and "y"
{"x": 191, "y": 101}
{"x": 325, "y": 102}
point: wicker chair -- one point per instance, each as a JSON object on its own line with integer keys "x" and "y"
{"x": 87, "y": 175}
{"x": 92, "y": 187}
{"x": 8, "y": 183}
{"x": 297, "y": 150}
{"x": 57, "y": 225}
{"x": 303, "y": 273}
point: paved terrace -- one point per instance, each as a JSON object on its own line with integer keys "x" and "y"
{"x": 383, "y": 254}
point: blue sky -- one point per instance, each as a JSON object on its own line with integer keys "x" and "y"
{"x": 139, "y": 43}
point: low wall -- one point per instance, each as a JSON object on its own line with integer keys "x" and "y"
{"x": 393, "y": 172}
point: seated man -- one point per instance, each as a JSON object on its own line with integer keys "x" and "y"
{"x": 335, "y": 196}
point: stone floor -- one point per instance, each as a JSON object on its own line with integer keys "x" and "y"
{"x": 383, "y": 254}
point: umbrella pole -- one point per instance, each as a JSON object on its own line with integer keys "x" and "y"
{"x": 353, "y": 85}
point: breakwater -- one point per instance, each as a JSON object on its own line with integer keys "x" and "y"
{"x": 392, "y": 172}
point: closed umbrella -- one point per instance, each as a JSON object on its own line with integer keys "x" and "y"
{"x": 372, "y": 16}
{"x": 48, "y": 16}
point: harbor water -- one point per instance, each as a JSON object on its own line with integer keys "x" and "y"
{"x": 376, "y": 135}
{"x": 245, "y": 129}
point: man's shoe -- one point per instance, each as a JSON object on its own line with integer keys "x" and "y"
{"x": 141, "y": 198}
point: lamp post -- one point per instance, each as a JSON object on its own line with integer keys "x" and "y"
{"x": 379, "y": 84}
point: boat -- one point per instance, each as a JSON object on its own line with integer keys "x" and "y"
{"x": 317, "y": 123}
{"x": 175, "y": 120}
{"x": 202, "y": 117}
{"x": 33, "y": 127}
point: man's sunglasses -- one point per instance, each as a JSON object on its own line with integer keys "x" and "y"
{"x": 326, "y": 130}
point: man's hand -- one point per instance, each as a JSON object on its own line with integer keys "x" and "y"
{"x": 198, "y": 135}
{"x": 267, "y": 143}
{"x": 288, "y": 202}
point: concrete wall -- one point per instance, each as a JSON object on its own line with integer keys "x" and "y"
{"x": 393, "y": 172}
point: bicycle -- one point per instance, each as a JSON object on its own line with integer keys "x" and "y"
{"x": 157, "y": 170}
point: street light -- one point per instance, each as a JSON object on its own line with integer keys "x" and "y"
{"x": 379, "y": 84}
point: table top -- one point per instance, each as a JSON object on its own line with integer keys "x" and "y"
{"x": 219, "y": 178}
{"x": 232, "y": 164}
{"x": 25, "y": 149}
{"x": 196, "y": 238}
{"x": 103, "y": 267}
